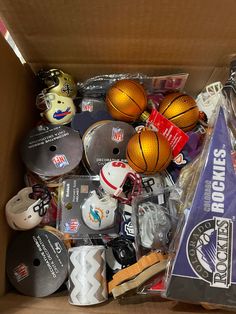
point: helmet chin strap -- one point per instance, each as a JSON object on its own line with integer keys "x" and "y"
{"x": 118, "y": 192}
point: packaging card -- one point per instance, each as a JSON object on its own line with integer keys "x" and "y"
{"x": 175, "y": 136}
{"x": 83, "y": 213}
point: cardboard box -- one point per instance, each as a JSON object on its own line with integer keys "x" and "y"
{"x": 87, "y": 38}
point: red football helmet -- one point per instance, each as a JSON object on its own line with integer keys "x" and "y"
{"x": 120, "y": 180}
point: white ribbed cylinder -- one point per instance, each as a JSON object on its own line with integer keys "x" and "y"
{"x": 87, "y": 275}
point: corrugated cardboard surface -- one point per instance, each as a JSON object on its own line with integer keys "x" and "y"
{"x": 58, "y": 304}
{"x": 178, "y": 32}
{"x": 93, "y": 37}
{"x": 16, "y": 117}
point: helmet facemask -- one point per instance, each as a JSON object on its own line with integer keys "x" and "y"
{"x": 130, "y": 187}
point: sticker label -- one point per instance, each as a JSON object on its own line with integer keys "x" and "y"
{"x": 102, "y": 161}
{"x": 87, "y": 107}
{"x": 21, "y": 272}
{"x": 175, "y": 136}
{"x": 166, "y": 82}
{"x": 49, "y": 256}
{"x": 84, "y": 188}
{"x": 117, "y": 135}
{"x": 72, "y": 226}
{"x": 50, "y": 135}
{"x": 60, "y": 161}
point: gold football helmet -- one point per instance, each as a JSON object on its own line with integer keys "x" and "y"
{"x": 58, "y": 82}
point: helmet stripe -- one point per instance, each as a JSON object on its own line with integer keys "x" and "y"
{"x": 106, "y": 181}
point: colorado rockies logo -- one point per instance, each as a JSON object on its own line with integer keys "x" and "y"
{"x": 209, "y": 251}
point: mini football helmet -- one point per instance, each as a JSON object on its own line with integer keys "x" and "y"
{"x": 99, "y": 213}
{"x": 26, "y": 209}
{"x": 154, "y": 226}
{"x": 152, "y": 184}
{"x": 209, "y": 97}
{"x": 58, "y": 82}
{"x": 119, "y": 180}
{"x": 120, "y": 253}
{"x": 56, "y": 109}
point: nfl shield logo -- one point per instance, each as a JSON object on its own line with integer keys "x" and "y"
{"x": 72, "y": 226}
{"x": 60, "y": 161}
{"x": 117, "y": 135}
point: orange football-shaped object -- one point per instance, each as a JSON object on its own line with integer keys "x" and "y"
{"x": 126, "y": 100}
{"x": 148, "y": 152}
{"x": 181, "y": 109}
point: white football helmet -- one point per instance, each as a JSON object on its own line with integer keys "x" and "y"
{"x": 120, "y": 180}
{"x": 99, "y": 213}
{"x": 55, "y": 108}
{"x": 154, "y": 226}
{"x": 207, "y": 100}
{"x": 26, "y": 209}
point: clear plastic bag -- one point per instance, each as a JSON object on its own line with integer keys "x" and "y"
{"x": 202, "y": 268}
{"x": 154, "y": 222}
{"x": 97, "y": 86}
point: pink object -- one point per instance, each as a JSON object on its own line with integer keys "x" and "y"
{"x": 3, "y": 29}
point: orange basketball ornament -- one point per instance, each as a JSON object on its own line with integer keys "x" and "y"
{"x": 148, "y": 152}
{"x": 180, "y": 109}
{"x": 126, "y": 100}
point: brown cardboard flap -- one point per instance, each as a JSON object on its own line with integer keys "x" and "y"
{"x": 120, "y": 32}
{"x": 56, "y": 304}
{"x": 17, "y": 112}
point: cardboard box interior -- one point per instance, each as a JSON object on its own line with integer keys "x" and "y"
{"x": 87, "y": 38}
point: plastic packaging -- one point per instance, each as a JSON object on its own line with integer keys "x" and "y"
{"x": 209, "y": 97}
{"x": 85, "y": 211}
{"x": 154, "y": 219}
{"x": 97, "y": 86}
{"x": 202, "y": 270}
